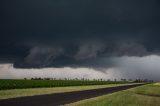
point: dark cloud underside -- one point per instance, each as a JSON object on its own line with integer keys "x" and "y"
{"x": 38, "y": 33}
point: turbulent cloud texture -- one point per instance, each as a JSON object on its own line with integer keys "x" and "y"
{"x": 123, "y": 67}
{"x": 59, "y": 33}
{"x": 77, "y": 33}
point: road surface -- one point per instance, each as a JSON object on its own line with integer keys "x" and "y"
{"x": 59, "y": 99}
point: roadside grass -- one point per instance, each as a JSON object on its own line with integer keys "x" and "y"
{"x": 147, "y": 95}
{"x": 157, "y": 84}
{"x": 150, "y": 90}
{"x": 13, "y": 93}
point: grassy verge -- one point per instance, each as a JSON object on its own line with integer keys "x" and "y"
{"x": 147, "y": 95}
{"x": 5, "y": 94}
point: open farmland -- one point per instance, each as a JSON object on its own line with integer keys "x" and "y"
{"x": 14, "y": 93}
{"x": 59, "y": 99}
{"x": 147, "y": 95}
{"x": 19, "y": 84}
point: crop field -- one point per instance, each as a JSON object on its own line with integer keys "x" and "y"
{"x": 147, "y": 95}
{"x": 19, "y": 84}
{"x": 14, "y": 93}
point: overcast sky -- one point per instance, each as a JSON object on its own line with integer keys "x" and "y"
{"x": 90, "y": 35}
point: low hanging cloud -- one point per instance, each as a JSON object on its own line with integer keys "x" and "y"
{"x": 84, "y": 54}
{"x": 146, "y": 67}
{"x": 81, "y": 34}
{"x": 42, "y": 56}
{"x": 89, "y": 50}
{"x": 129, "y": 49}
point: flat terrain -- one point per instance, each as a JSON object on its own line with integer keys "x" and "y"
{"x": 20, "y": 84}
{"x": 147, "y": 95}
{"x": 13, "y": 93}
{"x": 62, "y": 98}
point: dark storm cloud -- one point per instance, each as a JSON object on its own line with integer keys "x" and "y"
{"x": 38, "y": 33}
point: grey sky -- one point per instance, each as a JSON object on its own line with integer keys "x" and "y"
{"x": 77, "y": 33}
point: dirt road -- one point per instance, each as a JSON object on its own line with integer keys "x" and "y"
{"x": 59, "y": 99}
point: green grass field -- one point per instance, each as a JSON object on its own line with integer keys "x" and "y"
{"x": 147, "y": 95}
{"x": 19, "y": 84}
{"x": 13, "y": 93}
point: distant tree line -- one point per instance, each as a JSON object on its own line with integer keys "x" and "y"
{"x": 143, "y": 80}
{"x": 85, "y": 79}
